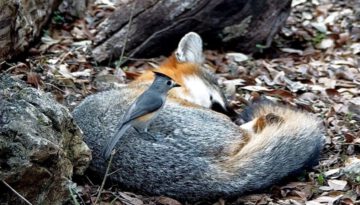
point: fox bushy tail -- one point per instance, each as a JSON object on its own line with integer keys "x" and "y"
{"x": 279, "y": 149}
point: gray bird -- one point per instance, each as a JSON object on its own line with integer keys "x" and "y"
{"x": 143, "y": 110}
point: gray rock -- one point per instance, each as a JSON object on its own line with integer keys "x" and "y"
{"x": 40, "y": 146}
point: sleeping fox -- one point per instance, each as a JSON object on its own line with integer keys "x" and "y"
{"x": 202, "y": 154}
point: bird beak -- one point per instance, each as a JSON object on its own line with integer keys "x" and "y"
{"x": 176, "y": 85}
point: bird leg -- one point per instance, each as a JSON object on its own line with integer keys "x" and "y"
{"x": 145, "y": 132}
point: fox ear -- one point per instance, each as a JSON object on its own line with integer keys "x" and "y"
{"x": 190, "y": 49}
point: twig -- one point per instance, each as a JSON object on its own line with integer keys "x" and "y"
{"x": 14, "y": 67}
{"x": 68, "y": 53}
{"x": 120, "y": 63}
{"x": 138, "y": 48}
{"x": 105, "y": 177}
{"x": 143, "y": 59}
{"x": 55, "y": 87}
{"x": 127, "y": 35}
{"x": 111, "y": 173}
{"x": 92, "y": 184}
{"x": 73, "y": 196}
{"x": 17, "y": 193}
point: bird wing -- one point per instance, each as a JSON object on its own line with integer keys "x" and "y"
{"x": 147, "y": 103}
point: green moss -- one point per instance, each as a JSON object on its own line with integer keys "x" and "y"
{"x": 320, "y": 179}
{"x": 318, "y": 38}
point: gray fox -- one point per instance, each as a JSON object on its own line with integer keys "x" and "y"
{"x": 200, "y": 153}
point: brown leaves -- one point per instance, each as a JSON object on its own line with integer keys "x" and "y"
{"x": 34, "y": 79}
{"x": 87, "y": 195}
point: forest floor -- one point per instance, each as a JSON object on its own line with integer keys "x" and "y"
{"x": 312, "y": 64}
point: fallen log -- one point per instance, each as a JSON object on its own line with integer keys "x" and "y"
{"x": 21, "y": 22}
{"x": 233, "y": 24}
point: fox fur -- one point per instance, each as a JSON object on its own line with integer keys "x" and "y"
{"x": 201, "y": 153}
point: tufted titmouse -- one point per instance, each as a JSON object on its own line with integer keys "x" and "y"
{"x": 143, "y": 110}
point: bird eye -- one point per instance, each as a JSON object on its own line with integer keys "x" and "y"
{"x": 168, "y": 82}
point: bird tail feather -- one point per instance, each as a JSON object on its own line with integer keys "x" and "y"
{"x": 110, "y": 144}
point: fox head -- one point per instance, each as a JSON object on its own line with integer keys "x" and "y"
{"x": 198, "y": 85}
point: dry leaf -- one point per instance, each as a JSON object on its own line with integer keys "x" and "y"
{"x": 167, "y": 201}
{"x": 34, "y": 79}
{"x": 131, "y": 199}
{"x": 326, "y": 43}
{"x": 325, "y": 199}
{"x": 331, "y": 172}
{"x": 255, "y": 88}
{"x": 238, "y": 57}
{"x": 337, "y": 184}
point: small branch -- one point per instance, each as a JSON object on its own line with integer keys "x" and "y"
{"x": 138, "y": 48}
{"x": 111, "y": 173}
{"x": 17, "y": 193}
{"x": 127, "y": 35}
{"x": 55, "y": 87}
{"x": 105, "y": 177}
{"x": 14, "y": 67}
{"x": 73, "y": 196}
{"x": 120, "y": 63}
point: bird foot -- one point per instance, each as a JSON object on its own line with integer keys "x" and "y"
{"x": 146, "y": 135}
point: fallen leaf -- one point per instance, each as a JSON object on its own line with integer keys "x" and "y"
{"x": 325, "y": 188}
{"x": 326, "y": 43}
{"x": 337, "y": 184}
{"x": 297, "y": 2}
{"x": 331, "y": 172}
{"x": 33, "y": 79}
{"x": 320, "y": 26}
{"x": 328, "y": 83}
{"x": 291, "y": 50}
{"x": 281, "y": 93}
{"x": 166, "y": 201}
{"x": 131, "y": 199}
{"x": 231, "y": 85}
{"x": 325, "y": 199}
{"x": 355, "y": 48}
{"x": 238, "y": 57}
{"x": 63, "y": 70}
{"x": 84, "y": 73}
{"x": 255, "y": 88}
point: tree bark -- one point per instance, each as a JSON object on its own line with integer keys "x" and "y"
{"x": 157, "y": 25}
{"x": 21, "y": 22}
